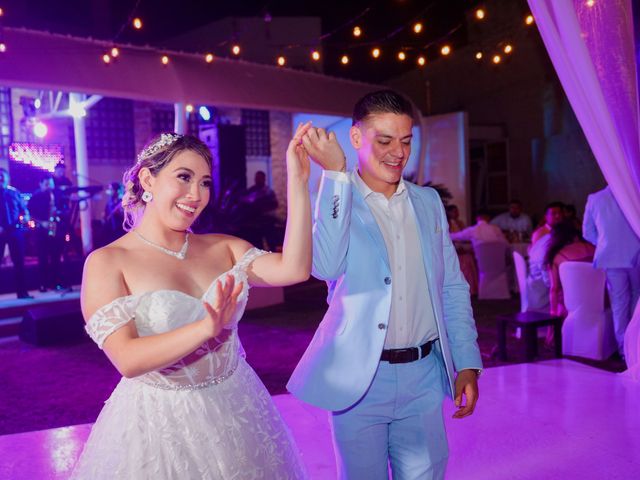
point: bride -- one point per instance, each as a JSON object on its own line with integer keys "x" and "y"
{"x": 164, "y": 304}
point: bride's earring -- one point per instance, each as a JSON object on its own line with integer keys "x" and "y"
{"x": 147, "y": 196}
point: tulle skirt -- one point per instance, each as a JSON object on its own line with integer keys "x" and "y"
{"x": 227, "y": 431}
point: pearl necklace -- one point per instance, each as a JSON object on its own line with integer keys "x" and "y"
{"x": 179, "y": 255}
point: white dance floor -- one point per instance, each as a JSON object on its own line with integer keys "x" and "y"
{"x": 549, "y": 420}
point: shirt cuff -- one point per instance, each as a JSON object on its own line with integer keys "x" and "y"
{"x": 336, "y": 176}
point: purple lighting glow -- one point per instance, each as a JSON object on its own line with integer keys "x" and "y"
{"x": 41, "y": 156}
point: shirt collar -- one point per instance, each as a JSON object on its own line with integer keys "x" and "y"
{"x": 365, "y": 191}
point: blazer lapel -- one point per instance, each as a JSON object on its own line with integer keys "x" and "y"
{"x": 362, "y": 212}
{"x": 426, "y": 226}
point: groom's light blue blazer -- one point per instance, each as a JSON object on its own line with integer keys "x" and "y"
{"x": 350, "y": 254}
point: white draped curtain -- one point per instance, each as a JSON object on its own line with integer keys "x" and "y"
{"x": 591, "y": 45}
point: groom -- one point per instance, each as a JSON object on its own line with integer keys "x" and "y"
{"x": 399, "y": 321}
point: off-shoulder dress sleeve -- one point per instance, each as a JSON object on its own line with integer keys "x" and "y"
{"x": 111, "y": 317}
{"x": 247, "y": 259}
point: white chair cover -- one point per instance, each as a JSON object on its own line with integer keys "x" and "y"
{"x": 632, "y": 346}
{"x": 521, "y": 276}
{"x": 588, "y": 329}
{"x": 492, "y": 266}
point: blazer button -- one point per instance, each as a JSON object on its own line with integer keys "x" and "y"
{"x": 382, "y": 326}
{"x": 387, "y": 280}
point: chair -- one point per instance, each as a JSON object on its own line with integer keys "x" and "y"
{"x": 632, "y": 346}
{"x": 588, "y": 329}
{"x": 521, "y": 276}
{"x": 492, "y": 265}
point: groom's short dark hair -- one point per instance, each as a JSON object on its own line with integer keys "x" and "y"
{"x": 381, "y": 101}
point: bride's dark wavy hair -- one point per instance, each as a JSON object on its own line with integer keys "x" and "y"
{"x": 132, "y": 203}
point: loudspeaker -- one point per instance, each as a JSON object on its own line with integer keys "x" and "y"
{"x": 232, "y": 152}
{"x": 54, "y": 324}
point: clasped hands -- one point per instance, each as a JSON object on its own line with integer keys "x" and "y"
{"x": 320, "y": 146}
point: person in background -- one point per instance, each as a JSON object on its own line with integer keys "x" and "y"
{"x": 481, "y": 232}
{"x": 618, "y": 253}
{"x": 553, "y": 214}
{"x": 113, "y": 213}
{"x": 565, "y": 245}
{"x": 463, "y": 249}
{"x": 514, "y": 222}
{"x": 571, "y": 214}
{"x": 453, "y": 217}
{"x": 13, "y": 214}
{"x": 259, "y": 203}
{"x": 49, "y": 234}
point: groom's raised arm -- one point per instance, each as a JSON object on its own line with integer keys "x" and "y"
{"x": 332, "y": 215}
{"x": 331, "y": 226}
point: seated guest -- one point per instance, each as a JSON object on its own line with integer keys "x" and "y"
{"x": 453, "y": 217}
{"x": 571, "y": 214}
{"x": 565, "y": 245}
{"x": 481, "y": 232}
{"x": 514, "y": 220}
{"x": 553, "y": 214}
{"x": 465, "y": 252}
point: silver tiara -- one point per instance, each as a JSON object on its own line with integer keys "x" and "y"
{"x": 165, "y": 140}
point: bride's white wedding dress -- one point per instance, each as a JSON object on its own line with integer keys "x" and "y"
{"x": 208, "y": 416}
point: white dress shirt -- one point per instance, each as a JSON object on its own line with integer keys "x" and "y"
{"x": 411, "y": 319}
{"x": 505, "y": 221}
{"x": 481, "y": 232}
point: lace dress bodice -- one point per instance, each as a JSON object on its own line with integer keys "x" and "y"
{"x": 162, "y": 311}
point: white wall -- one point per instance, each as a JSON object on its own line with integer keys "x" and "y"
{"x": 446, "y": 156}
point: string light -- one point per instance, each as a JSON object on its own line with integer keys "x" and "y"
{"x": 3, "y": 47}
{"x": 1, "y": 12}
{"x": 189, "y": 108}
{"x": 376, "y": 52}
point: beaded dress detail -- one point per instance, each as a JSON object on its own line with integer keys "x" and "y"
{"x": 208, "y": 416}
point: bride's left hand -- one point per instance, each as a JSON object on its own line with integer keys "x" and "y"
{"x": 298, "y": 165}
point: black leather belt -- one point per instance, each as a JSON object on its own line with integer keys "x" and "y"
{"x": 406, "y": 355}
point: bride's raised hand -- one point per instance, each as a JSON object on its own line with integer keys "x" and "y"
{"x": 298, "y": 166}
{"x": 220, "y": 312}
